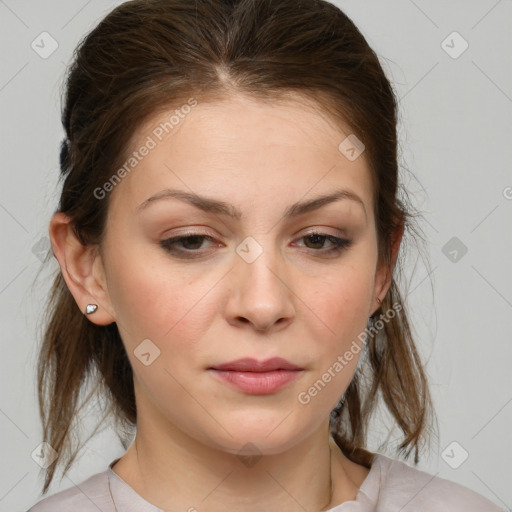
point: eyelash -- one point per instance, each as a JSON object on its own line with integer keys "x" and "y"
{"x": 339, "y": 244}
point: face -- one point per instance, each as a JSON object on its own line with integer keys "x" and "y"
{"x": 223, "y": 268}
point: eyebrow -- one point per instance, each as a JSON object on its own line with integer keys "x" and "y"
{"x": 215, "y": 206}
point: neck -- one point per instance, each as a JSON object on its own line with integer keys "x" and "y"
{"x": 175, "y": 472}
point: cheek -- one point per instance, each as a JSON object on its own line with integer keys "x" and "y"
{"x": 340, "y": 302}
{"x": 342, "y": 307}
{"x": 156, "y": 301}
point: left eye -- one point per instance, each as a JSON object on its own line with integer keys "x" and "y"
{"x": 318, "y": 239}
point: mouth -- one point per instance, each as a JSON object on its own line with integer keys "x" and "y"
{"x": 253, "y": 365}
{"x": 257, "y": 377}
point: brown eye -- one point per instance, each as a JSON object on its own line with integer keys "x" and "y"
{"x": 191, "y": 243}
{"x": 316, "y": 241}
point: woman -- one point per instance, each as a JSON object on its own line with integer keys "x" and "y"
{"x": 229, "y": 228}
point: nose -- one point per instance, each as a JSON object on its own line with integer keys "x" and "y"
{"x": 260, "y": 293}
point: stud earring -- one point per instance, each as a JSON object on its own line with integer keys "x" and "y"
{"x": 379, "y": 301}
{"x": 91, "y": 308}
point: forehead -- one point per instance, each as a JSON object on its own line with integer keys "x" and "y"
{"x": 254, "y": 145}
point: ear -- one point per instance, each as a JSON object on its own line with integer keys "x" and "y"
{"x": 82, "y": 269}
{"x": 384, "y": 273}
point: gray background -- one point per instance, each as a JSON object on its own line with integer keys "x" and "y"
{"x": 456, "y": 140}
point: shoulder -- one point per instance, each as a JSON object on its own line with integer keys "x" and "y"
{"x": 405, "y": 488}
{"x": 90, "y": 495}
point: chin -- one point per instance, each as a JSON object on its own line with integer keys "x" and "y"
{"x": 260, "y": 434}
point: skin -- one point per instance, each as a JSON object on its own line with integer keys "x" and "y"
{"x": 295, "y": 301}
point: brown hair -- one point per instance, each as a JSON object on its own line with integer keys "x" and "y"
{"x": 149, "y": 54}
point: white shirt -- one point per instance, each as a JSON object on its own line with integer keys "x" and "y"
{"x": 390, "y": 486}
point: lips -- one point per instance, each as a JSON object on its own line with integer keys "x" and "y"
{"x": 257, "y": 377}
{"x": 253, "y": 365}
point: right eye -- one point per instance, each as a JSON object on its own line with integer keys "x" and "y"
{"x": 191, "y": 243}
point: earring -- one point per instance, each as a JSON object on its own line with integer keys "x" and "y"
{"x": 379, "y": 301}
{"x": 91, "y": 308}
